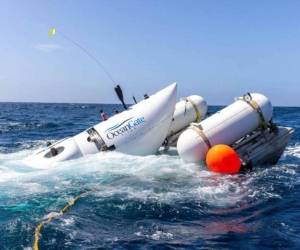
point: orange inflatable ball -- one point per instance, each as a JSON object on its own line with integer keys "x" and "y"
{"x": 223, "y": 159}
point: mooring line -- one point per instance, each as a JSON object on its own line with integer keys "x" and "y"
{"x": 39, "y": 227}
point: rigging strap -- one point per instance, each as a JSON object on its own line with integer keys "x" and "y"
{"x": 198, "y": 114}
{"x": 198, "y": 129}
{"x": 253, "y": 104}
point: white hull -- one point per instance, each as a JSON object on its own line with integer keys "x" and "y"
{"x": 140, "y": 130}
{"x": 190, "y": 109}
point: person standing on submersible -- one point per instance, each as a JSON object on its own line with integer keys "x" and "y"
{"x": 103, "y": 115}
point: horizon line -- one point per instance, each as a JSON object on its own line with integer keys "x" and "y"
{"x": 93, "y": 103}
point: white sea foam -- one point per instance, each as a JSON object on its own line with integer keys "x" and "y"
{"x": 163, "y": 178}
{"x": 293, "y": 151}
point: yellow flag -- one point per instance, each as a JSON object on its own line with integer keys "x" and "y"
{"x": 51, "y": 32}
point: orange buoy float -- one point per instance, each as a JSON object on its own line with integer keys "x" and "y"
{"x": 223, "y": 159}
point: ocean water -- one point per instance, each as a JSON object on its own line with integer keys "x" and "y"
{"x": 153, "y": 202}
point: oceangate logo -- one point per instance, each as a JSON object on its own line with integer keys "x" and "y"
{"x": 123, "y": 127}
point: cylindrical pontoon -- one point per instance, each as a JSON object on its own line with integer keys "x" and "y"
{"x": 225, "y": 127}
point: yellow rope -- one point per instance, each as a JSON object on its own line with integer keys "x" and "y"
{"x": 39, "y": 227}
{"x": 262, "y": 120}
{"x": 253, "y": 104}
{"x": 198, "y": 114}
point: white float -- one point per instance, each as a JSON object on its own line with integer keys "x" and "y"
{"x": 190, "y": 109}
{"x": 225, "y": 127}
{"x": 140, "y": 130}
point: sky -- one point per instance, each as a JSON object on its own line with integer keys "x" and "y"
{"x": 216, "y": 49}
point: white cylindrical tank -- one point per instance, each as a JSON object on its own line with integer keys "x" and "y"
{"x": 188, "y": 110}
{"x": 224, "y": 127}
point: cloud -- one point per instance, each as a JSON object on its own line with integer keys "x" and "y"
{"x": 47, "y": 47}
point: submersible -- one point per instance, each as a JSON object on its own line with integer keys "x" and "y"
{"x": 139, "y": 130}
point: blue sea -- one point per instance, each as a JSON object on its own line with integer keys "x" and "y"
{"x": 152, "y": 202}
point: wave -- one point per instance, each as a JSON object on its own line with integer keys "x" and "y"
{"x": 163, "y": 178}
{"x": 156, "y": 198}
{"x": 27, "y": 126}
{"x": 292, "y": 151}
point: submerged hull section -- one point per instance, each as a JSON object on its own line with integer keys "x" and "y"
{"x": 140, "y": 130}
{"x": 263, "y": 147}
